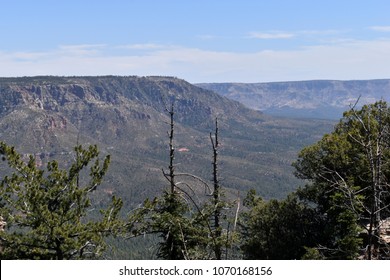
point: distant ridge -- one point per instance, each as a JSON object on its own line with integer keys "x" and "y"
{"x": 126, "y": 117}
{"x": 326, "y": 99}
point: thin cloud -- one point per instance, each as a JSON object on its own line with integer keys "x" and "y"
{"x": 324, "y": 32}
{"x": 318, "y": 36}
{"x": 82, "y": 50}
{"x": 27, "y": 56}
{"x": 82, "y": 46}
{"x": 271, "y": 35}
{"x": 380, "y": 28}
{"x": 141, "y": 47}
{"x": 342, "y": 61}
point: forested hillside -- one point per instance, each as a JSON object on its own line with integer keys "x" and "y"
{"x": 127, "y": 118}
{"x": 342, "y": 212}
{"x": 207, "y": 189}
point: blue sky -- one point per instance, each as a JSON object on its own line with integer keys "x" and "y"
{"x": 197, "y": 40}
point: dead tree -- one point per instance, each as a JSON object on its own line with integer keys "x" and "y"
{"x": 171, "y": 175}
{"x": 216, "y": 193}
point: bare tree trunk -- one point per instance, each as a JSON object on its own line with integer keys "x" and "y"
{"x": 171, "y": 151}
{"x": 216, "y": 194}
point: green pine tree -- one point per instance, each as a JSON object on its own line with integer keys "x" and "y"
{"x": 348, "y": 182}
{"x": 47, "y": 210}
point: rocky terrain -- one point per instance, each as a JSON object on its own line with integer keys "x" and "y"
{"x": 309, "y": 99}
{"x": 127, "y": 118}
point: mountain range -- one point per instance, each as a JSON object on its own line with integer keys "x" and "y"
{"x": 326, "y": 99}
{"x": 127, "y": 118}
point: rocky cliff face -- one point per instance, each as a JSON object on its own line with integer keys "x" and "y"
{"x": 320, "y": 99}
{"x": 127, "y": 118}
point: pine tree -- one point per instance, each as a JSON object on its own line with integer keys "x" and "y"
{"x": 277, "y": 229}
{"x": 348, "y": 177}
{"x": 47, "y": 210}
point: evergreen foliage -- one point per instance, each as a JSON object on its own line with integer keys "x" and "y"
{"x": 47, "y": 211}
{"x": 339, "y": 212}
{"x": 276, "y": 229}
{"x": 349, "y": 182}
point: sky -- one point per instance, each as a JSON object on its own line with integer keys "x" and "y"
{"x": 197, "y": 40}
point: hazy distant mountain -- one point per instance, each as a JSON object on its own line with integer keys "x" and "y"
{"x": 309, "y": 99}
{"x": 126, "y": 117}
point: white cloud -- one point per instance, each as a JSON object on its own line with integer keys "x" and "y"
{"x": 82, "y": 47}
{"x": 380, "y": 28}
{"x": 81, "y": 50}
{"x": 342, "y": 60}
{"x": 27, "y": 56}
{"x": 141, "y": 47}
{"x": 271, "y": 35}
{"x": 322, "y": 31}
